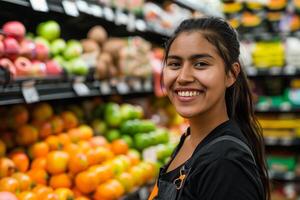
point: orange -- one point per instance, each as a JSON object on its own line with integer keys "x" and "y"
{"x": 57, "y": 124}
{"x": 148, "y": 170}
{"x": 57, "y": 162}
{"x": 111, "y": 189}
{"x": 17, "y": 116}
{"x": 41, "y": 191}
{"x": 39, "y": 163}
{"x": 39, "y": 149}
{"x": 103, "y": 172}
{"x": 138, "y": 175}
{"x": 25, "y": 182}
{"x": 74, "y": 134}
{"x": 84, "y": 146}
{"x": 64, "y": 139}
{"x": 119, "y": 147}
{"x": 78, "y": 162}
{"x": 71, "y": 148}
{"x": 7, "y": 167}
{"x": 127, "y": 181}
{"x": 86, "y": 182}
{"x": 134, "y": 157}
{"x": 86, "y": 132}
{"x": 82, "y": 198}
{"x": 38, "y": 176}
{"x": 64, "y": 193}
{"x": 97, "y": 155}
{"x": 27, "y": 135}
{"x": 70, "y": 120}
{"x": 54, "y": 142}
{"x": 98, "y": 141}
{"x": 42, "y": 112}
{"x": 51, "y": 196}
{"x": 21, "y": 161}
{"x": 9, "y": 184}
{"x": 60, "y": 181}
{"x": 45, "y": 129}
{"x": 8, "y": 139}
{"x": 2, "y": 148}
{"x": 7, "y": 196}
{"x": 26, "y": 195}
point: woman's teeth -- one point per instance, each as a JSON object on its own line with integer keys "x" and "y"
{"x": 188, "y": 93}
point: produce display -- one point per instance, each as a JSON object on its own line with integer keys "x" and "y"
{"x": 51, "y": 153}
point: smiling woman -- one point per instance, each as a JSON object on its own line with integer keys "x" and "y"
{"x": 221, "y": 155}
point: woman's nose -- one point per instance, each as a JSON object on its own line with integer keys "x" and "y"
{"x": 185, "y": 74}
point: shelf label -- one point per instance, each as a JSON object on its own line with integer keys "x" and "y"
{"x": 105, "y": 88}
{"x": 148, "y": 85}
{"x": 29, "y": 92}
{"x": 80, "y": 88}
{"x": 122, "y": 87}
{"x": 131, "y": 22}
{"x": 141, "y": 25}
{"x": 275, "y": 70}
{"x": 121, "y": 17}
{"x": 70, "y": 8}
{"x": 83, "y": 6}
{"x": 108, "y": 14}
{"x": 39, "y": 5}
{"x": 137, "y": 85}
{"x": 290, "y": 70}
{"x": 96, "y": 10}
{"x": 251, "y": 71}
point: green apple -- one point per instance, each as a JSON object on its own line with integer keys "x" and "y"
{"x": 112, "y": 115}
{"x": 73, "y": 49}
{"x": 99, "y": 127}
{"x": 42, "y": 41}
{"x": 126, "y": 111}
{"x": 49, "y": 30}
{"x": 59, "y": 59}
{"x": 112, "y": 135}
{"x": 79, "y": 67}
{"x": 128, "y": 140}
{"x": 58, "y": 46}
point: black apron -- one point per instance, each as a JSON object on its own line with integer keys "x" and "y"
{"x": 172, "y": 191}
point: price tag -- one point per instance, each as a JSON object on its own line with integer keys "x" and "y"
{"x": 83, "y": 6}
{"x": 286, "y": 106}
{"x": 108, "y": 14}
{"x": 39, "y": 5}
{"x": 70, "y": 8}
{"x": 143, "y": 193}
{"x": 289, "y": 176}
{"x": 96, "y": 10}
{"x": 275, "y": 71}
{"x": 148, "y": 85}
{"x": 251, "y": 71}
{"x": 131, "y": 22}
{"x": 137, "y": 85}
{"x": 140, "y": 25}
{"x": 29, "y": 92}
{"x": 121, "y": 17}
{"x": 286, "y": 141}
{"x": 150, "y": 154}
{"x": 271, "y": 140}
{"x": 80, "y": 88}
{"x": 122, "y": 87}
{"x": 290, "y": 70}
{"x": 105, "y": 88}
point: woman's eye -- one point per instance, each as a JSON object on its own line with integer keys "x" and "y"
{"x": 200, "y": 64}
{"x": 173, "y": 65}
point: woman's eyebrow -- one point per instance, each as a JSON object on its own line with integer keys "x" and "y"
{"x": 197, "y": 56}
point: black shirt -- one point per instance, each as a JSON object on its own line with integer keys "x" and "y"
{"x": 225, "y": 171}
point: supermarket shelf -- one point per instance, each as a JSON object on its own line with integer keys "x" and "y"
{"x": 284, "y": 176}
{"x": 85, "y": 14}
{"x": 55, "y": 88}
{"x": 282, "y": 109}
{"x": 275, "y": 141}
{"x": 288, "y": 71}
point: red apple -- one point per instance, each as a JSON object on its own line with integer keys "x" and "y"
{"x": 23, "y": 66}
{"x": 1, "y": 37}
{"x": 14, "y": 29}
{"x": 11, "y": 46}
{"x": 6, "y": 63}
{"x": 38, "y": 68}
{"x": 53, "y": 68}
{"x": 1, "y": 48}
{"x": 42, "y": 51}
{"x": 27, "y": 48}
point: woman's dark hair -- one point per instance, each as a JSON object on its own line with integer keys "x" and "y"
{"x": 238, "y": 97}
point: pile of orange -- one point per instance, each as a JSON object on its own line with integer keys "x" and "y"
{"x": 55, "y": 158}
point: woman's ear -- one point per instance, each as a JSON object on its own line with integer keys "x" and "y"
{"x": 233, "y": 74}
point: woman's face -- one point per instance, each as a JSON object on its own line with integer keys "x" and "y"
{"x": 194, "y": 75}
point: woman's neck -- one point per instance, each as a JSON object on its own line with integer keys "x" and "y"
{"x": 202, "y": 125}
